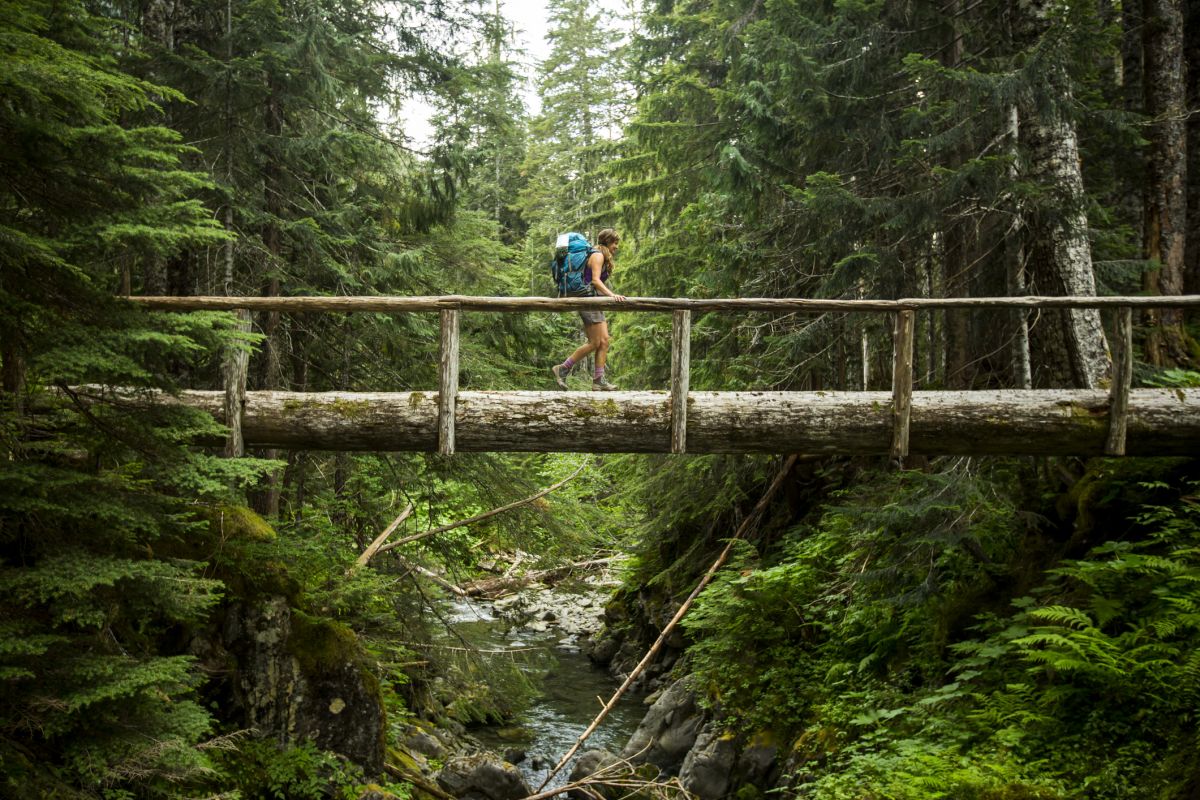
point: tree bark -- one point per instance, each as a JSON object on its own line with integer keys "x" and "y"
{"x": 1164, "y": 226}
{"x": 1191, "y": 38}
{"x": 1071, "y": 347}
{"x": 234, "y": 369}
{"x": 1014, "y": 263}
{"x": 956, "y": 243}
{"x": 12, "y": 374}
{"x": 1013, "y": 422}
{"x": 272, "y": 366}
{"x": 1068, "y": 348}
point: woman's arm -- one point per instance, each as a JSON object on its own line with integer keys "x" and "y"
{"x": 596, "y": 265}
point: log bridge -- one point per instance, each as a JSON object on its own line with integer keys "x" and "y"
{"x": 1117, "y": 421}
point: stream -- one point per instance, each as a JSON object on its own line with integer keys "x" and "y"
{"x": 570, "y": 688}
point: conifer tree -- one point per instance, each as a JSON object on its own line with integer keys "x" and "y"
{"x": 573, "y": 137}
{"x": 1164, "y": 230}
{"x": 93, "y": 486}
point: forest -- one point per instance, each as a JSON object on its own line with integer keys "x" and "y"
{"x": 180, "y": 619}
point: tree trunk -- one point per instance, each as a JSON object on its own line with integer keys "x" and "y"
{"x": 956, "y": 245}
{"x": 1164, "y": 226}
{"x": 1070, "y": 345}
{"x": 1191, "y": 38}
{"x": 271, "y": 375}
{"x": 1068, "y": 348}
{"x": 12, "y": 373}
{"x": 1009, "y": 422}
{"x": 1014, "y": 264}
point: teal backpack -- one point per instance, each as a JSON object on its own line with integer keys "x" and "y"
{"x": 571, "y": 252}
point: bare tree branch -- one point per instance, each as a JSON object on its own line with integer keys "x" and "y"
{"x": 486, "y": 514}
{"x": 381, "y": 538}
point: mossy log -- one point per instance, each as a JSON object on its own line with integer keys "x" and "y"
{"x": 1014, "y": 422}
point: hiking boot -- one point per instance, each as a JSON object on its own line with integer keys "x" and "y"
{"x": 560, "y": 375}
{"x": 603, "y": 385}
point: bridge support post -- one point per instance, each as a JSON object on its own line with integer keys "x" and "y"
{"x": 681, "y": 349}
{"x": 902, "y": 383}
{"x": 234, "y": 372}
{"x": 448, "y": 380}
{"x": 1122, "y": 380}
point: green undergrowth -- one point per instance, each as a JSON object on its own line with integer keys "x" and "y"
{"x": 987, "y": 629}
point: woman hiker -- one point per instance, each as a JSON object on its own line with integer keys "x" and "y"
{"x": 596, "y": 272}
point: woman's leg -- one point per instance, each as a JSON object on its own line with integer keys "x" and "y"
{"x": 600, "y": 333}
{"x": 561, "y": 371}
{"x": 595, "y": 334}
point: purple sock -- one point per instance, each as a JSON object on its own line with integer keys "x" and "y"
{"x": 599, "y": 374}
{"x": 570, "y": 362}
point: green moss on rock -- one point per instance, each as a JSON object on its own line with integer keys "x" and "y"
{"x": 230, "y": 522}
{"x": 322, "y": 646}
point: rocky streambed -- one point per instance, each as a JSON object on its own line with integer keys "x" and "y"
{"x": 549, "y": 627}
{"x": 550, "y": 633}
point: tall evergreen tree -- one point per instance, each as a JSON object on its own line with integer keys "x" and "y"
{"x": 92, "y": 485}
{"x": 573, "y": 137}
{"x": 1164, "y": 229}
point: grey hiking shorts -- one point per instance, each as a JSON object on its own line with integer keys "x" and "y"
{"x": 588, "y": 317}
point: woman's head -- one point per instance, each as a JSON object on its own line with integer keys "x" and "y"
{"x": 608, "y": 238}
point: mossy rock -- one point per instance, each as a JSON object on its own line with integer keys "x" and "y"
{"x": 408, "y": 763}
{"x": 322, "y": 646}
{"x": 229, "y": 522}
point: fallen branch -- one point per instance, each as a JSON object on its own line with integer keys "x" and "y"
{"x": 367, "y": 554}
{"x": 433, "y": 576}
{"x": 621, "y": 774}
{"x": 666, "y": 632}
{"x": 492, "y": 588}
{"x": 484, "y": 515}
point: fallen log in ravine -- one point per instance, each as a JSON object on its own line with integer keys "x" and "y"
{"x": 992, "y": 422}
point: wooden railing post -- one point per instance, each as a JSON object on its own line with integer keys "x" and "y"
{"x": 902, "y": 383}
{"x": 681, "y": 348}
{"x": 1122, "y": 380}
{"x": 448, "y": 380}
{"x": 234, "y": 372}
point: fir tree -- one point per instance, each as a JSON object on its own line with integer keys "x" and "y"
{"x": 90, "y": 483}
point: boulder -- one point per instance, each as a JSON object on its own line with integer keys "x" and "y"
{"x": 668, "y": 731}
{"x": 590, "y": 762}
{"x": 707, "y": 769}
{"x": 586, "y": 765}
{"x": 305, "y": 678}
{"x": 424, "y": 743}
{"x": 602, "y": 647}
{"x": 758, "y": 760}
{"x": 482, "y": 777}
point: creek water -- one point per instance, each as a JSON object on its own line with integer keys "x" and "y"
{"x": 569, "y": 692}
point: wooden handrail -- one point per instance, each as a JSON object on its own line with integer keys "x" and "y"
{"x": 400, "y": 305}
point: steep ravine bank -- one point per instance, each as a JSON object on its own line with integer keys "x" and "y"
{"x": 932, "y": 633}
{"x": 676, "y": 735}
